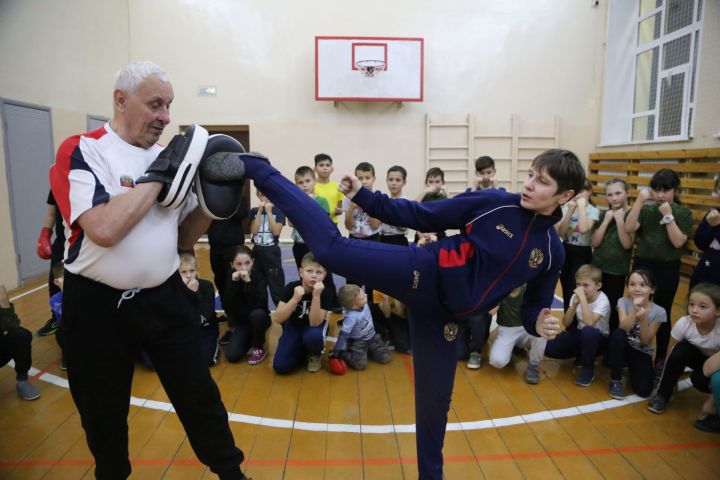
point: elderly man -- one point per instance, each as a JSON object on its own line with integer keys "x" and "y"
{"x": 126, "y": 211}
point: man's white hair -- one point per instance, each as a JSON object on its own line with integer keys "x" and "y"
{"x": 132, "y": 75}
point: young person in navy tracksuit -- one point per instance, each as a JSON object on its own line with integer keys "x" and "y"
{"x": 505, "y": 240}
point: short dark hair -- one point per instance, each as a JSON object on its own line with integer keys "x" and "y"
{"x": 665, "y": 179}
{"x": 321, "y": 157}
{"x": 481, "y": 163}
{"x": 398, "y": 168}
{"x": 365, "y": 167}
{"x": 304, "y": 170}
{"x": 239, "y": 250}
{"x": 435, "y": 172}
{"x": 58, "y": 270}
{"x": 708, "y": 289}
{"x": 564, "y": 167}
{"x": 645, "y": 274}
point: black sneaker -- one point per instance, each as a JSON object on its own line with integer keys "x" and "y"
{"x": 709, "y": 423}
{"x": 225, "y": 339}
{"x": 50, "y": 327}
{"x": 657, "y": 404}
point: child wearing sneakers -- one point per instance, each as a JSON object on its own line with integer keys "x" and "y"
{"x": 301, "y": 313}
{"x": 15, "y": 344}
{"x": 266, "y": 224}
{"x": 357, "y": 339}
{"x": 204, "y": 291}
{"x": 694, "y": 338}
{"x": 588, "y": 338}
{"x": 247, "y": 309}
{"x": 709, "y": 420}
{"x": 511, "y": 334}
{"x": 472, "y": 337}
{"x": 661, "y": 225}
{"x": 632, "y": 342}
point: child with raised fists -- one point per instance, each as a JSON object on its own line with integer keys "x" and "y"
{"x": 631, "y": 343}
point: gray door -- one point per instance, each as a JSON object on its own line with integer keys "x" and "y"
{"x": 94, "y": 122}
{"x": 28, "y": 156}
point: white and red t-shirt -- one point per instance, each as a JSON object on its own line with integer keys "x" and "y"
{"x": 91, "y": 168}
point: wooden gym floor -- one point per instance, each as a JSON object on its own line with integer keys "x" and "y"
{"x": 359, "y": 426}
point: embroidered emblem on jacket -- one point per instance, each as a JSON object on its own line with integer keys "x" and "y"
{"x": 504, "y": 230}
{"x": 536, "y": 258}
{"x": 451, "y": 331}
{"x": 416, "y": 279}
{"x": 127, "y": 181}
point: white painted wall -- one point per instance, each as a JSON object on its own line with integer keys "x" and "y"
{"x": 536, "y": 58}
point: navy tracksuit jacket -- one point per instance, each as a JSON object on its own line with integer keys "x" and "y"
{"x": 500, "y": 246}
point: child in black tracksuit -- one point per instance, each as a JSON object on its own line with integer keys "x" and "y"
{"x": 205, "y": 293}
{"x": 247, "y": 308}
{"x": 265, "y": 226}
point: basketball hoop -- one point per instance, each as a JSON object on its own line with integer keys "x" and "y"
{"x": 370, "y": 67}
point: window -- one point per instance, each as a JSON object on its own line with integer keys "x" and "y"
{"x": 650, "y": 70}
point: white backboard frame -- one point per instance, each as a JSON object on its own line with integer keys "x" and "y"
{"x": 337, "y": 78}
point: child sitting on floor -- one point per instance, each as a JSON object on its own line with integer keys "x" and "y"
{"x": 631, "y": 343}
{"x": 247, "y": 309}
{"x": 357, "y": 339}
{"x": 15, "y": 344}
{"x": 694, "y": 338}
{"x": 588, "y": 338}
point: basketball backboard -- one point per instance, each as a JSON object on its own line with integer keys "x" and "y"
{"x": 396, "y": 73}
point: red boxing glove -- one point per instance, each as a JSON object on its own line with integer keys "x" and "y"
{"x": 44, "y": 245}
{"x": 337, "y": 366}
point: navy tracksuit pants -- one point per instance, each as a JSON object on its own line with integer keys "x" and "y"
{"x": 409, "y": 274}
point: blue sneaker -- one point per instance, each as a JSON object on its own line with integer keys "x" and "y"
{"x": 532, "y": 374}
{"x": 27, "y": 390}
{"x": 616, "y": 390}
{"x": 585, "y": 378}
{"x": 657, "y": 404}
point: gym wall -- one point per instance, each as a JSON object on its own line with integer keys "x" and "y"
{"x": 487, "y": 58}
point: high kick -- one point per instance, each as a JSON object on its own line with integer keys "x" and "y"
{"x": 406, "y": 273}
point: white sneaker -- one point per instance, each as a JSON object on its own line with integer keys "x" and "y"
{"x": 314, "y": 363}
